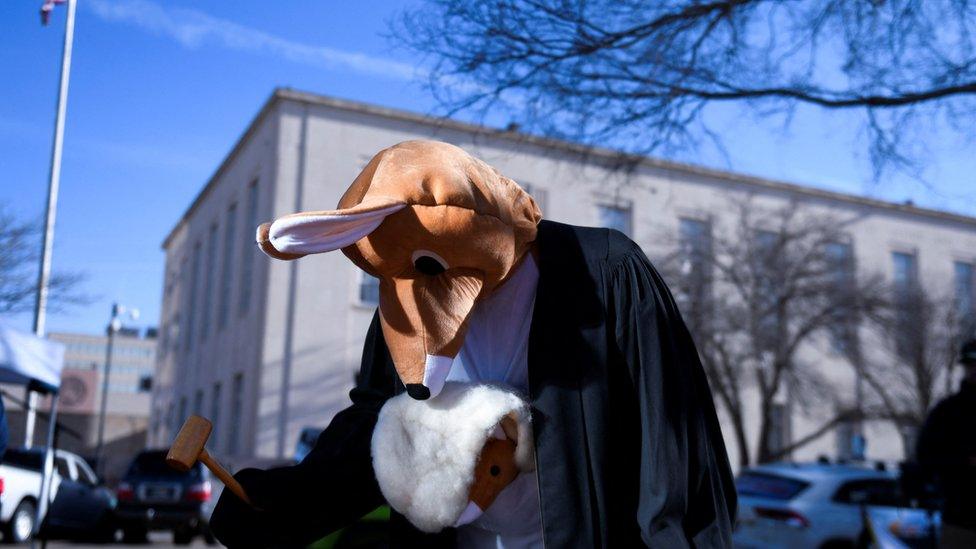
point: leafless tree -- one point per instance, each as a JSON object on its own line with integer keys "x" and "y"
{"x": 754, "y": 294}
{"x": 20, "y": 245}
{"x": 918, "y": 338}
{"x": 639, "y": 75}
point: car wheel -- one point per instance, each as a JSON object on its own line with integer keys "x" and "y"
{"x": 208, "y": 536}
{"x": 104, "y": 531}
{"x": 21, "y": 525}
{"x": 182, "y": 536}
{"x": 135, "y": 534}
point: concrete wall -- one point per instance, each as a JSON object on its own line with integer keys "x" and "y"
{"x": 235, "y": 348}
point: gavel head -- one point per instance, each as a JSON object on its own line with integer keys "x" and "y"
{"x": 189, "y": 443}
{"x": 496, "y": 469}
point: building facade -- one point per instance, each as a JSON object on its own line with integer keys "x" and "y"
{"x": 127, "y": 405}
{"x": 266, "y": 348}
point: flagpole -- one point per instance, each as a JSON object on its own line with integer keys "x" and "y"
{"x": 54, "y": 181}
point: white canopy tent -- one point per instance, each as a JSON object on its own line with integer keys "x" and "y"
{"x": 26, "y": 359}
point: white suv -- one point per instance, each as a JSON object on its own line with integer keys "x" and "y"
{"x": 809, "y": 505}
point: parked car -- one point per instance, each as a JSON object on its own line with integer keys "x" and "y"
{"x": 809, "y": 505}
{"x": 153, "y": 496}
{"x": 80, "y": 506}
{"x": 901, "y": 528}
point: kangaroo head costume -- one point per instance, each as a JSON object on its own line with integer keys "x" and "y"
{"x": 439, "y": 228}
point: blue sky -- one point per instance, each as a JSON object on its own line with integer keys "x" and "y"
{"x": 161, "y": 90}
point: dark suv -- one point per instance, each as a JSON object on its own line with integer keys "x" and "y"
{"x": 152, "y": 496}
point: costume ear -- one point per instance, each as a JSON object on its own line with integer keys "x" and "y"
{"x": 295, "y": 235}
{"x": 509, "y": 425}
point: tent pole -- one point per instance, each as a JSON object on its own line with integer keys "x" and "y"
{"x": 48, "y": 472}
{"x": 30, "y": 407}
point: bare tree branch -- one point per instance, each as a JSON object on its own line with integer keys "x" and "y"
{"x": 20, "y": 243}
{"x": 918, "y": 337}
{"x": 754, "y": 293}
{"x": 639, "y": 76}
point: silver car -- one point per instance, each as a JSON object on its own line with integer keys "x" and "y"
{"x": 813, "y": 505}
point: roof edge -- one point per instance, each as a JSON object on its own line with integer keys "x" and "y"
{"x": 268, "y": 105}
{"x": 612, "y": 155}
{"x": 606, "y": 154}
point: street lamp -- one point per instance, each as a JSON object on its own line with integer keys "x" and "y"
{"x": 113, "y": 326}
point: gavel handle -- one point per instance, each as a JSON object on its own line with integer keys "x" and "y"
{"x": 225, "y": 477}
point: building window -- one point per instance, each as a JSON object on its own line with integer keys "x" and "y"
{"x": 369, "y": 289}
{"x": 839, "y": 259}
{"x": 236, "y": 409}
{"x": 540, "y": 195}
{"x": 191, "y": 304}
{"x": 695, "y": 241}
{"x": 155, "y": 432}
{"x": 965, "y": 285}
{"x": 209, "y": 282}
{"x": 227, "y": 271}
{"x": 177, "y": 338}
{"x": 182, "y": 415}
{"x": 171, "y": 419}
{"x": 616, "y": 217}
{"x": 215, "y": 416}
{"x": 905, "y": 272}
{"x": 780, "y": 432}
{"x": 198, "y": 402}
{"x": 906, "y": 304}
{"x": 172, "y": 332}
{"x": 248, "y": 250}
{"x": 850, "y": 442}
{"x": 768, "y": 275}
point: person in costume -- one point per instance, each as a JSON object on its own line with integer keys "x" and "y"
{"x": 477, "y": 289}
{"x": 946, "y": 449}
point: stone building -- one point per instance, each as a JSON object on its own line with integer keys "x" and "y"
{"x": 267, "y": 348}
{"x": 127, "y": 406}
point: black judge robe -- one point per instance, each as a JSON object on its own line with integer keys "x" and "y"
{"x": 629, "y": 449}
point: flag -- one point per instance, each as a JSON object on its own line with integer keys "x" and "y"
{"x": 47, "y": 8}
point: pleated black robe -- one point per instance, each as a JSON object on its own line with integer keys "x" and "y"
{"x": 629, "y": 448}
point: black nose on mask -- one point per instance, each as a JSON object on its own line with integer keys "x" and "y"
{"x": 418, "y": 391}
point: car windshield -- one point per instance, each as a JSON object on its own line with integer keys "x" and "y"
{"x": 874, "y": 491}
{"x": 153, "y": 464}
{"x": 769, "y": 486}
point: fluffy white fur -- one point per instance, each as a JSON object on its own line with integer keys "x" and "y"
{"x": 425, "y": 451}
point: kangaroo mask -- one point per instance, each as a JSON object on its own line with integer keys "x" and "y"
{"x": 439, "y": 228}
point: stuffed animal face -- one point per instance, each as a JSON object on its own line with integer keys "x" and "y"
{"x": 495, "y": 470}
{"x": 439, "y": 228}
{"x": 445, "y": 461}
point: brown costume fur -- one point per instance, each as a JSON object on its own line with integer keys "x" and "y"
{"x": 481, "y": 223}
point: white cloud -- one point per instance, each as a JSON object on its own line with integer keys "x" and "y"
{"x": 193, "y": 29}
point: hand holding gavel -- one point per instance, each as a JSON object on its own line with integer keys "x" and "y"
{"x": 189, "y": 447}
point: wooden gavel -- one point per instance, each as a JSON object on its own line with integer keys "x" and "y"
{"x": 189, "y": 447}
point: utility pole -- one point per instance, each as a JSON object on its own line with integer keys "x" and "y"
{"x": 54, "y": 181}
{"x": 114, "y": 324}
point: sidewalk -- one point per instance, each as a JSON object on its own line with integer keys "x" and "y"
{"x": 157, "y": 540}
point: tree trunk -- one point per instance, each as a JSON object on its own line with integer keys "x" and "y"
{"x": 741, "y": 441}
{"x": 763, "y": 455}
